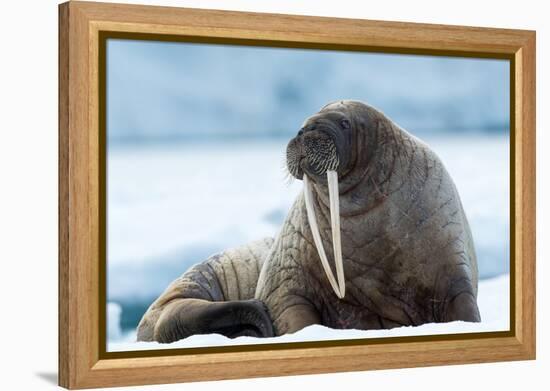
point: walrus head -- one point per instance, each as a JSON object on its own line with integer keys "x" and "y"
{"x": 322, "y": 144}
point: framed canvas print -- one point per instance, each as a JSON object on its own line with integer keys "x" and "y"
{"x": 299, "y": 194}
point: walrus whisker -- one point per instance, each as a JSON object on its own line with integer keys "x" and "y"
{"x": 288, "y": 178}
{"x": 318, "y": 242}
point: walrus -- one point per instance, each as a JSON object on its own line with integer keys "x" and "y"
{"x": 377, "y": 239}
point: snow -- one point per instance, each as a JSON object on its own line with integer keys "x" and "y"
{"x": 493, "y": 301}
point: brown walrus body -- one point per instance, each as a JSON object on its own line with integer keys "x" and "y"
{"x": 407, "y": 250}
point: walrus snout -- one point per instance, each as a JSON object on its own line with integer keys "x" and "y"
{"x": 312, "y": 151}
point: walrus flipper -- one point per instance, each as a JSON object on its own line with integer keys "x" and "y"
{"x": 185, "y": 317}
{"x": 215, "y": 296}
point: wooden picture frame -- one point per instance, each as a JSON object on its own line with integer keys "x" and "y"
{"x": 83, "y": 28}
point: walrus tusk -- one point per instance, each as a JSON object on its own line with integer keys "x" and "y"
{"x": 334, "y": 197}
{"x": 338, "y": 287}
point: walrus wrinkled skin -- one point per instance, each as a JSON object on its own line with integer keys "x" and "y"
{"x": 407, "y": 248}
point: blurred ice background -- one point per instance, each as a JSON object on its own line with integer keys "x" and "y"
{"x": 197, "y": 135}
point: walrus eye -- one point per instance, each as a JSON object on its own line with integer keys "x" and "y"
{"x": 345, "y": 124}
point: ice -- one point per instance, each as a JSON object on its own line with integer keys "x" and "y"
{"x": 492, "y": 299}
{"x": 114, "y": 331}
{"x": 187, "y": 194}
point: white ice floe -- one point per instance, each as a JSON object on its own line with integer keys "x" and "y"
{"x": 493, "y": 301}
